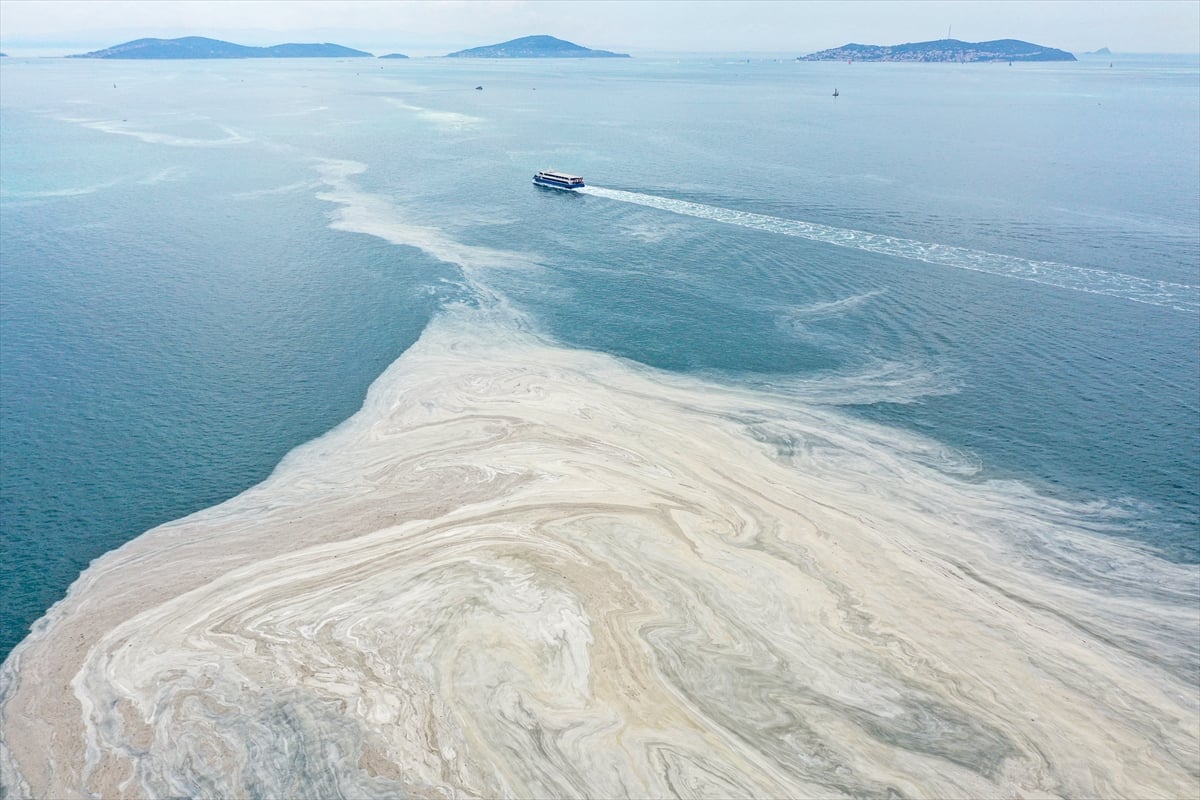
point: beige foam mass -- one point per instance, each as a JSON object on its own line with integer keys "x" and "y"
{"x": 527, "y": 571}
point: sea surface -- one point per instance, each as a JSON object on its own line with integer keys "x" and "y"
{"x": 959, "y": 295}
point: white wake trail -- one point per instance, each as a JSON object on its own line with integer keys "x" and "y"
{"x": 1181, "y": 297}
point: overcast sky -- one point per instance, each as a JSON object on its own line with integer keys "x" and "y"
{"x": 435, "y": 27}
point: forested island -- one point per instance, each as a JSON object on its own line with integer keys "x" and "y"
{"x": 201, "y": 47}
{"x": 534, "y": 47}
{"x": 943, "y": 50}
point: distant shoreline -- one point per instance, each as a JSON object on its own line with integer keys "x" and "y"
{"x": 27, "y": 53}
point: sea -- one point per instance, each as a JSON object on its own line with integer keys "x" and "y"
{"x": 978, "y": 281}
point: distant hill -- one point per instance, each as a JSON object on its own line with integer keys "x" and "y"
{"x": 534, "y": 47}
{"x": 943, "y": 50}
{"x": 394, "y": 55}
{"x": 1103, "y": 51}
{"x": 201, "y": 47}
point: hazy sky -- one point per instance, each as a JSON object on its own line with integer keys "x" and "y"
{"x": 435, "y": 27}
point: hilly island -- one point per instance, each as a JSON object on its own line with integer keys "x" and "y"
{"x": 201, "y": 47}
{"x": 534, "y": 47}
{"x": 951, "y": 50}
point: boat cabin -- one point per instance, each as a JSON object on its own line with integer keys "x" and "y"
{"x": 558, "y": 180}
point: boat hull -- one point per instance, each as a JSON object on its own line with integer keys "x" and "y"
{"x": 550, "y": 184}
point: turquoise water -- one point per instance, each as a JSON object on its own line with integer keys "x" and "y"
{"x": 198, "y": 270}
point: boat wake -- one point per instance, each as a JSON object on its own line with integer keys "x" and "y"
{"x": 1181, "y": 297}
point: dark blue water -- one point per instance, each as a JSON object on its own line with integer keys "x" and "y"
{"x": 163, "y": 350}
{"x": 176, "y": 311}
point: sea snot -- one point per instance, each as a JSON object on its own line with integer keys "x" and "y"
{"x": 182, "y": 301}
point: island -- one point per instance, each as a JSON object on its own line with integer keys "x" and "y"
{"x": 394, "y": 55}
{"x": 943, "y": 50}
{"x": 534, "y": 47}
{"x": 201, "y": 47}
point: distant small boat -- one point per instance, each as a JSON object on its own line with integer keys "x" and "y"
{"x": 479, "y": 88}
{"x": 558, "y": 180}
{"x": 835, "y": 92}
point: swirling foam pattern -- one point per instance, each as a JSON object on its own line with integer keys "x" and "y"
{"x": 527, "y": 571}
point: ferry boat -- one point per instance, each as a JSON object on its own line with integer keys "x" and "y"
{"x": 558, "y": 180}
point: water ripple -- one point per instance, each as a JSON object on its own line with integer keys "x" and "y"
{"x": 1181, "y": 297}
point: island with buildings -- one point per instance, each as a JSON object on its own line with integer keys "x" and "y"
{"x": 943, "y": 50}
